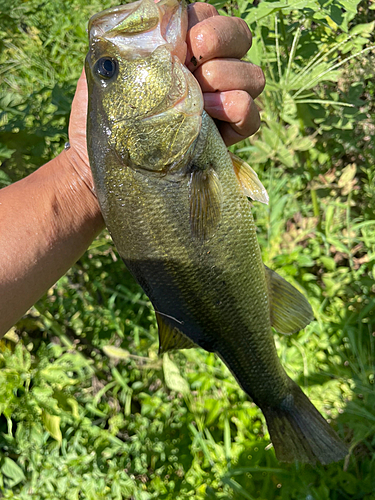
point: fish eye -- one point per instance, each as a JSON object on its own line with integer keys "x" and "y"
{"x": 106, "y": 67}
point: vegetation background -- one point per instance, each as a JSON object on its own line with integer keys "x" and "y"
{"x": 88, "y": 410}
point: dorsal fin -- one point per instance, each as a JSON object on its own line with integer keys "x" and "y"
{"x": 170, "y": 337}
{"x": 289, "y": 309}
{"x": 249, "y": 181}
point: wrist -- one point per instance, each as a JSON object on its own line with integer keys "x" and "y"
{"x": 77, "y": 160}
{"x": 48, "y": 220}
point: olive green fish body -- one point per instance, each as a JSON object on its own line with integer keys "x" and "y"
{"x": 175, "y": 203}
{"x": 212, "y": 291}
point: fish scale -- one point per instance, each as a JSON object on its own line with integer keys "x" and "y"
{"x": 176, "y": 204}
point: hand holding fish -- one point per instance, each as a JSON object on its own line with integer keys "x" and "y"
{"x": 215, "y": 45}
{"x": 50, "y": 218}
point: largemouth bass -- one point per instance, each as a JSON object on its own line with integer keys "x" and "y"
{"x": 176, "y": 204}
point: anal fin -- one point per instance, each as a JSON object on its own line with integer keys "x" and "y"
{"x": 290, "y": 311}
{"x": 170, "y": 337}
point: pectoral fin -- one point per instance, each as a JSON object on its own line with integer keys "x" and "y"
{"x": 170, "y": 338}
{"x": 206, "y": 196}
{"x": 249, "y": 181}
{"x": 290, "y": 311}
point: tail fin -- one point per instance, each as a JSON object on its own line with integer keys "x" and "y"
{"x": 299, "y": 432}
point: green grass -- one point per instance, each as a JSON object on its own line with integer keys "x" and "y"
{"x": 88, "y": 409}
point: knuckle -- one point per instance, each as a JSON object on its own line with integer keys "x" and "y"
{"x": 206, "y": 39}
{"x": 198, "y": 12}
{"x": 209, "y": 10}
{"x": 213, "y": 39}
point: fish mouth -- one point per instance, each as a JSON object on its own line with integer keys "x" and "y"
{"x": 108, "y": 19}
{"x": 138, "y": 28}
{"x": 151, "y": 102}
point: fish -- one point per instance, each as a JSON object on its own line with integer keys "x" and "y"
{"x": 176, "y": 204}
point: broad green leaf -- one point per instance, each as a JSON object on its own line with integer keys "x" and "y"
{"x": 12, "y": 470}
{"x": 286, "y": 156}
{"x": 5, "y": 152}
{"x": 309, "y": 277}
{"x": 366, "y": 29}
{"x": 347, "y": 175}
{"x": 52, "y": 425}
{"x": 42, "y": 393}
{"x": 270, "y": 138}
{"x": 350, "y": 5}
{"x": 74, "y": 406}
{"x": 302, "y": 144}
{"x": 213, "y": 408}
{"x": 305, "y": 260}
{"x": 115, "y": 352}
{"x": 5, "y": 180}
{"x": 173, "y": 378}
{"x": 328, "y": 263}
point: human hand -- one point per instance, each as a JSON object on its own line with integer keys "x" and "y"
{"x": 215, "y": 46}
{"x": 77, "y": 152}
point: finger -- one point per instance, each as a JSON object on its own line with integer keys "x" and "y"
{"x": 80, "y": 96}
{"x": 230, "y": 74}
{"x": 216, "y": 37}
{"x": 197, "y": 12}
{"x": 77, "y": 132}
{"x": 237, "y": 113}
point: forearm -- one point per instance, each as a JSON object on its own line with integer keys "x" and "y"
{"x": 47, "y": 221}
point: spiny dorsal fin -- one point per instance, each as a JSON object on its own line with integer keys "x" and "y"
{"x": 290, "y": 311}
{"x": 206, "y": 196}
{"x": 170, "y": 337}
{"x": 249, "y": 181}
